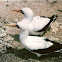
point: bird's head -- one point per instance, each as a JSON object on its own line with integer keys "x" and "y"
{"x": 26, "y": 11}
{"x": 23, "y": 25}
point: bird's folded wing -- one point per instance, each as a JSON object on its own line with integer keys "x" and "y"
{"x": 35, "y": 43}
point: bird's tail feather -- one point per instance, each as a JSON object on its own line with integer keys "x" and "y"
{"x": 54, "y": 17}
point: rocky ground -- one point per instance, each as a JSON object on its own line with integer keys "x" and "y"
{"x": 11, "y": 49}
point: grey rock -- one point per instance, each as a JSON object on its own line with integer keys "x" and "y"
{"x": 8, "y": 39}
{"x": 8, "y": 45}
{"x": 2, "y": 47}
{"x": 60, "y": 27}
{"x": 4, "y": 27}
{"x": 1, "y": 39}
{"x": 16, "y": 20}
{"x": 2, "y": 32}
{"x": 51, "y": 1}
{"x": 1, "y": 20}
{"x": 1, "y": 24}
{"x": 7, "y": 5}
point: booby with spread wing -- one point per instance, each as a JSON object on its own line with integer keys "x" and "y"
{"x": 38, "y": 24}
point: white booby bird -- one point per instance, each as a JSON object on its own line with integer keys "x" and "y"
{"x": 38, "y": 24}
{"x": 35, "y": 44}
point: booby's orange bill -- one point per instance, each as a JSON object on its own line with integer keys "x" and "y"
{"x": 11, "y": 25}
{"x": 17, "y": 10}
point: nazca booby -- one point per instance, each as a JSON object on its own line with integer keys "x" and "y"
{"x": 38, "y": 24}
{"x": 35, "y": 44}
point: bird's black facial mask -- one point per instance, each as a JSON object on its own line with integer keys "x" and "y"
{"x": 22, "y": 12}
{"x": 17, "y": 26}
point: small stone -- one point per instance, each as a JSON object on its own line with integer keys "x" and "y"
{"x": 1, "y": 21}
{"x": 8, "y": 45}
{"x": 1, "y": 38}
{"x": 7, "y": 5}
{"x": 53, "y": 38}
{"x": 8, "y": 39}
{"x": 2, "y": 48}
{"x": 16, "y": 20}
{"x": 60, "y": 27}
{"x": 52, "y": 1}
{"x": 4, "y": 27}
{"x": 1, "y": 24}
{"x": 54, "y": 29}
{"x": 2, "y": 32}
{"x": 1, "y": 41}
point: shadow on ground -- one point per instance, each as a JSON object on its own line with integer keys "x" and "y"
{"x": 15, "y": 36}
{"x": 25, "y": 54}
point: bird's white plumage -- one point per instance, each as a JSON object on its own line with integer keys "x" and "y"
{"x": 34, "y": 25}
{"x": 28, "y": 13}
{"x": 37, "y": 22}
{"x": 35, "y": 43}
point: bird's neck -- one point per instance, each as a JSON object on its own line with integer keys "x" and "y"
{"x": 28, "y": 17}
{"x": 27, "y": 20}
{"x": 23, "y": 35}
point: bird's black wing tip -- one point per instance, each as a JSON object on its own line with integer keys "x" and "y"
{"x": 56, "y": 15}
{"x": 46, "y": 39}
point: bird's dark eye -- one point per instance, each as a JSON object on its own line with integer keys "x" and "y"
{"x": 17, "y": 26}
{"x": 22, "y": 12}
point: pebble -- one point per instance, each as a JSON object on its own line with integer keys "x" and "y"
{"x": 4, "y": 27}
{"x": 53, "y": 38}
{"x": 2, "y": 32}
{"x": 60, "y": 27}
{"x": 1, "y": 24}
{"x": 8, "y": 45}
{"x": 8, "y": 38}
{"x": 1, "y": 20}
{"x": 7, "y": 5}
{"x": 52, "y": 1}
{"x": 16, "y": 20}
{"x": 1, "y": 41}
{"x": 2, "y": 48}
